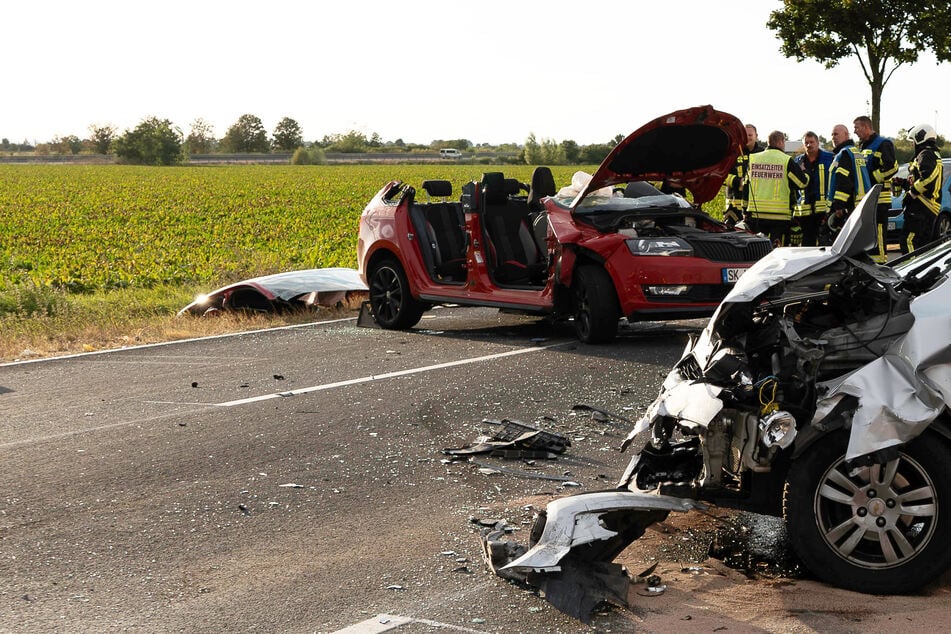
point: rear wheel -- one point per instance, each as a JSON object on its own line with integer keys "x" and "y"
{"x": 595, "y": 305}
{"x": 880, "y": 529}
{"x": 394, "y": 307}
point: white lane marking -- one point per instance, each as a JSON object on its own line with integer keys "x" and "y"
{"x": 177, "y": 341}
{"x": 380, "y": 377}
{"x": 386, "y": 622}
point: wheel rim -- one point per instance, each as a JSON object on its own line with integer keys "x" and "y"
{"x": 386, "y": 294}
{"x": 582, "y": 311}
{"x": 877, "y": 517}
{"x": 944, "y": 225}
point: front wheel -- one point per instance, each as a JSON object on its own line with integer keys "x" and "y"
{"x": 394, "y": 307}
{"x": 880, "y": 529}
{"x": 595, "y": 304}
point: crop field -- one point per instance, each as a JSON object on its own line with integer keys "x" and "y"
{"x": 92, "y": 228}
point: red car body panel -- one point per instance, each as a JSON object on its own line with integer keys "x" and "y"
{"x": 664, "y": 148}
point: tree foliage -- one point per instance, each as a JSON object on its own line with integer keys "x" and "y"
{"x": 201, "y": 138}
{"x": 882, "y": 34}
{"x": 101, "y": 137}
{"x": 288, "y": 135}
{"x": 352, "y": 142}
{"x": 247, "y": 134}
{"x": 153, "y": 142}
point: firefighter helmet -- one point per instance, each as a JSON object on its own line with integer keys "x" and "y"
{"x": 922, "y": 133}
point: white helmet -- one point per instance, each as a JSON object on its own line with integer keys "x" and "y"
{"x": 921, "y": 133}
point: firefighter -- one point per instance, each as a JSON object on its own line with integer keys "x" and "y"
{"x": 813, "y": 201}
{"x": 923, "y": 198}
{"x": 737, "y": 181}
{"x": 848, "y": 182}
{"x": 880, "y": 159}
{"x": 773, "y": 175}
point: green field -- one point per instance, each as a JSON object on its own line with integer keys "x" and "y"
{"x": 93, "y": 228}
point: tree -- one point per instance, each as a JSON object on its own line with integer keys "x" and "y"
{"x": 288, "y": 135}
{"x": 101, "y": 137}
{"x": 247, "y": 134}
{"x": 572, "y": 150}
{"x": 882, "y": 34}
{"x": 532, "y": 151}
{"x": 201, "y": 139}
{"x": 153, "y": 142}
{"x": 351, "y": 142}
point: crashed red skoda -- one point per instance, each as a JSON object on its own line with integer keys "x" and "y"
{"x": 612, "y": 246}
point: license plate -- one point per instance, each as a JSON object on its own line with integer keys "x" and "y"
{"x": 891, "y": 226}
{"x": 732, "y": 274}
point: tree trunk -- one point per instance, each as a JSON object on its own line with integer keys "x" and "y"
{"x": 876, "y": 85}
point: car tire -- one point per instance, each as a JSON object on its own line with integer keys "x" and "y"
{"x": 594, "y": 305}
{"x": 881, "y": 529}
{"x": 394, "y": 307}
{"x": 943, "y": 225}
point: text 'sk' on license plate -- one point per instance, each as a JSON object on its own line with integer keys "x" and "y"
{"x": 733, "y": 273}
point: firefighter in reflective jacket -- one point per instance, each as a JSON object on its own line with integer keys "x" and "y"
{"x": 737, "y": 181}
{"x": 773, "y": 176}
{"x": 848, "y": 182}
{"x": 813, "y": 201}
{"x": 923, "y": 200}
{"x": 882, "y": 166}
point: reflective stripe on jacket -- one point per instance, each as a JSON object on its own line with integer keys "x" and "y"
{"x": 814, "y": 199}
{"x": 737, "y": 181}
{"x": 927, "y": 172}
{"x": 849, "y": 178}
{"x": 880, "y": 158}
{"x": 772, "y": 174}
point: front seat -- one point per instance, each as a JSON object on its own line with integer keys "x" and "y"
{"x": 542, "y": 185}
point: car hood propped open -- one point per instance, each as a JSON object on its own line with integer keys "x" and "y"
{"x": 697, "y": 147}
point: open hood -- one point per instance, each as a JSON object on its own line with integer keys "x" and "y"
{"x": 697, "y": 147}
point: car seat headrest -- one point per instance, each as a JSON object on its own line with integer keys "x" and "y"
{"x": 438, "y": 188}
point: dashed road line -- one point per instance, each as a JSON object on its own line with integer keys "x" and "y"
{"x": 386, "y": 622}
{"x": 380, "y": 377}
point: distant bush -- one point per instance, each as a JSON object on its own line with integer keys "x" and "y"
{"x": 153, "y": 142}
{"x": 309, "y": 156}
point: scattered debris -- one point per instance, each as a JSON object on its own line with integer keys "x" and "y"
{"x": 244, "y": 509}
{"x": 291, "y": 485}
{"x": 394, "y": 587}
{"x": 494, "y": 470}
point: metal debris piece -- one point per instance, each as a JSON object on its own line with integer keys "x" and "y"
{"x": 574, "y": 542}
{"x": 291, "y": 485}
{"x": 601, "y": 415}
{"x": 517, "y": 439}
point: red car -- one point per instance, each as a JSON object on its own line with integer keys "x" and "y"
{"x": 594, "y": 253}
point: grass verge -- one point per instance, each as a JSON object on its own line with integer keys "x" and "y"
{"x": 45, "y": 323}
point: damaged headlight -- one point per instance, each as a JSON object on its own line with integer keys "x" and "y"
{"x": 778, "y": 429}
{"x": 659, "y": 246}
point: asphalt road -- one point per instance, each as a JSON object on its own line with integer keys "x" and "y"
{"x": 292, "y": 481}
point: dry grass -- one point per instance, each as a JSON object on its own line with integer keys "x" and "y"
{"x": 118, "y": 320}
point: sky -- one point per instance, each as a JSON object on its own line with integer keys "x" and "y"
{"x": 419, "y": 70}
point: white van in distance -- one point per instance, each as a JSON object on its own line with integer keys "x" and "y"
{"x": 450, "y": 153}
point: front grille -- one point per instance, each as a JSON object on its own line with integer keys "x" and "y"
{"x": 745, "y": 249}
